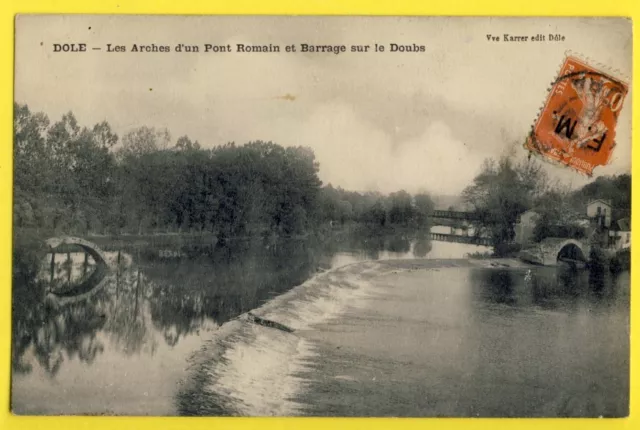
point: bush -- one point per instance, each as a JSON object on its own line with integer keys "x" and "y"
{"x": 544, "y": 229}
{"x": 29, "y": 250}
{"x": 620, "y": 262}
{"x": 480, "y": 255}
{"x": 506, "y": 249}
{"x": 597, "y": 259}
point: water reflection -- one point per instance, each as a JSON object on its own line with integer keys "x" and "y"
{"x": 497, "y": 286}
{"x": 53, "y": 334}
{"x": 140, "y": 304}
{"x": 550, "y": 287}
{"x": 422, "y": 245}
{"x": 374, "y": 244}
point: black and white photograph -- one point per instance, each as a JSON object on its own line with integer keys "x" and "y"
{"x": 335, "y": 216}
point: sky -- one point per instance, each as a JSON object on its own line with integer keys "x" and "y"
{"x": 377, "y": 121}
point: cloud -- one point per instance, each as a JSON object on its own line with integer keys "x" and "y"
{"x": 355, "y": 154}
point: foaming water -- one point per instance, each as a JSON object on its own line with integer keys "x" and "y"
{"x": 258, "y": 376}
{"x": 252, "y": 370}
{"x": 321, "y": 298}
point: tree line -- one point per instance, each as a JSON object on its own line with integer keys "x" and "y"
{"x": 398, "y": 209}
{"x": 75, "y": 179}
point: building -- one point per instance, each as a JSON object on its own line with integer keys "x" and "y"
{"x": 620, "y": 235}
{"x": 525, "y": 225}
{"x": 600, "y": 211}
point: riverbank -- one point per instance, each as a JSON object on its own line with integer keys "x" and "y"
{"x": 453, "y": 337}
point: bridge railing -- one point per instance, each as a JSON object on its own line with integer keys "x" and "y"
{"x": 462, "y": 215}
{"x": 472, "y": 240}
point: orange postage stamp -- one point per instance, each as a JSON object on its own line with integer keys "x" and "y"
{"x": 576, "y": 126}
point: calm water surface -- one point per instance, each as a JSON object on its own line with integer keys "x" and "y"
{"x": 460, "y": 342}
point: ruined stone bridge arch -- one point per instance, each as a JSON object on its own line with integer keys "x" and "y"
{"x": 555, "y": 248}
{"x": 91, "y": 285}
{"x": 551, "y": 249}
{"x": 90, "y": 248}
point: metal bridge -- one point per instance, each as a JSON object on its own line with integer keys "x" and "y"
{"x": 473, "y": 240}
{"x": 462, "y": 215}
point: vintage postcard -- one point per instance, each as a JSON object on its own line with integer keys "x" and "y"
{"x": 321, "y": 216}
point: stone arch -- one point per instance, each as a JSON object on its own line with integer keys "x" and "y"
{"x": 571, "y": 249}
{"x": 551, "y": 248}
{"x": 95, "y": 282}
{"x": 91, "y": 248}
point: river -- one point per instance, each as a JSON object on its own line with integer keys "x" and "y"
{"x": 142, "y": 343}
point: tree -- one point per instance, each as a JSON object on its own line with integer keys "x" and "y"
{"x": 30, "y": 155}
{"x": 185, "y": 144}
{"x": 63, "y": 172}
{"x": 144, "y": 140}
{"x": 401, "y": 210}
{"x": 557, "y": 217}
{"x": 501, "y": 192}
{"x": 376, "y": 214}
{"x": 104, "y": 136}
{"x": 345, "y": 211}
{"x": 614, "y": 188}
{"x": 423, "y": 209}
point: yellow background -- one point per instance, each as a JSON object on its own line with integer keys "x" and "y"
{"x": 8, "y": 9}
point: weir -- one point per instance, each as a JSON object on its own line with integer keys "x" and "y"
{"x": 268, "y": 323}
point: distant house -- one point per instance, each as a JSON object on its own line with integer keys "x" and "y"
{"x": 525, "y": 225}
{"x": 620, "y": 235}
{"x": 600, "y": 211}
